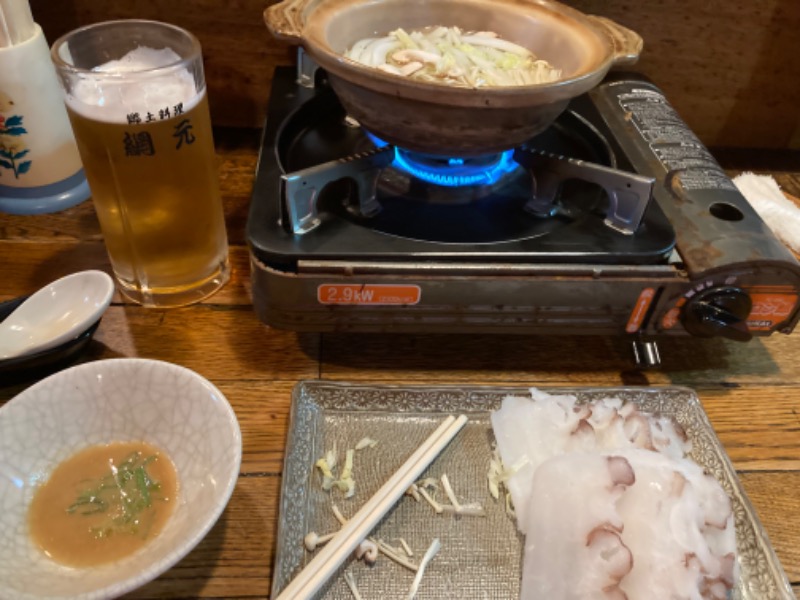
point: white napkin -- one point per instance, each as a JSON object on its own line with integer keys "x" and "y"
{"x": 779, "y": 213}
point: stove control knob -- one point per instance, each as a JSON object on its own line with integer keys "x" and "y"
{"x": 721, "y": 311}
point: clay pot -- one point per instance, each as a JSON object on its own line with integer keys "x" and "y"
{"x": 446, "y": 120}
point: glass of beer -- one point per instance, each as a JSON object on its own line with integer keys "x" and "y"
{"x": 136, "y": 98}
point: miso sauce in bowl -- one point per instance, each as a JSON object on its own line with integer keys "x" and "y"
{"x": 103, "y": 503}
{"x": 183, "y": 419}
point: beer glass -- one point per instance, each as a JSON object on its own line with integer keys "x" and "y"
{"x": 136, "y": 97}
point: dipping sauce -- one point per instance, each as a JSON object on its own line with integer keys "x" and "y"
{"x": 103, "y": 503}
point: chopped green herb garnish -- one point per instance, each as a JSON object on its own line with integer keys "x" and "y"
{"x": 123, "y": 495}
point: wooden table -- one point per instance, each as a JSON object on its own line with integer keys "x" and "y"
{"x": 750, "y": 391}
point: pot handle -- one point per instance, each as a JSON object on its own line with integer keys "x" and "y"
{"x": 286, "y": 19}
{"x": 627, "y": 44}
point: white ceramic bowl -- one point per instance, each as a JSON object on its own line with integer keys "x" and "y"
{"x": 125, "y": 399}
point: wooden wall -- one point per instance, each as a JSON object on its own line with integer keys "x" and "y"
{"x": 731, "y": 67}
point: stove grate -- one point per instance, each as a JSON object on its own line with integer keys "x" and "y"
{"x": 629, "y": 194}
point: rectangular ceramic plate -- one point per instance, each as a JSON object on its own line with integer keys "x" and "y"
{"x": 481, "y": 557}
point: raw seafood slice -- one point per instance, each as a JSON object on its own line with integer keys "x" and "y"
{"x": 574, "y": 550}
{"x": 532, "y": 430}
{"x": 528, "y": 433}
{"x": 634, "y": 524}
{"x": 612, "y": 507}
{"x": 679, "y": 527}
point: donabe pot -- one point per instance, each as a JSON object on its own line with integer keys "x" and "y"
{"x": 441, "y": 119}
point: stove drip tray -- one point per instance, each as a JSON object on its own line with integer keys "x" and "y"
{"x": 492, "y": 198}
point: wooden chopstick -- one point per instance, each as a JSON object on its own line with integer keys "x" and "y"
{"x": 335, "y": 552}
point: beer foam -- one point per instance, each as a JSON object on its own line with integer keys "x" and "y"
{"x": 114, "y": 99}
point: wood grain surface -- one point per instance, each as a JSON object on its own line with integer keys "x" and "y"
{"x": 750, "y": 391}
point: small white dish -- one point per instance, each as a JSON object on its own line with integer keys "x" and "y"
{"x": 58, "y": 312}
{"x": 126, "y": 399}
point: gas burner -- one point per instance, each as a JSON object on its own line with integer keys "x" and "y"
{"x": 456, "y": 172}
{"x": 420, "y": 177}
{"x": 564, "y": 196}
{"x": 452, "y": 171}
{"x": 605, "y": 223}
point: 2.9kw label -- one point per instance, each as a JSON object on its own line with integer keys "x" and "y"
{"x": 368, "y": 294}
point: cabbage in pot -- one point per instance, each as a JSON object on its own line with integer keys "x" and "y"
{"x": 449, "y": 56}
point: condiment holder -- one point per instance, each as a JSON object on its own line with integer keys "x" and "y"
{"x": 40, "y": 169}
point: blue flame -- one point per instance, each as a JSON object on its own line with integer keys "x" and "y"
{"x": 452, "y": 172}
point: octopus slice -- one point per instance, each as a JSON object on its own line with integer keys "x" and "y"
{"x": 529, "y": 433}
{"x": 532, "y": 430}
{"x": 671, "y": 515}
{"x": 574, "y": 527}
{"x": 611, "y": 506}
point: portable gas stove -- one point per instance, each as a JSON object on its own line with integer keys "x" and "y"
{"x": 616, "y": 220}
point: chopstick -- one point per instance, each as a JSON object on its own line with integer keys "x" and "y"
{"x": 335, "y": 552}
